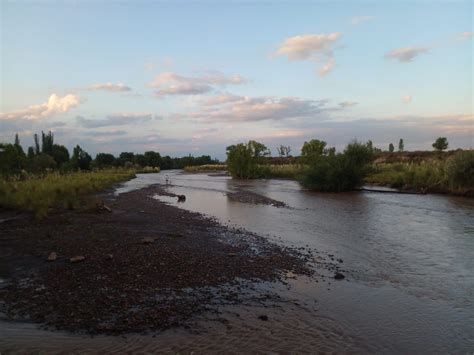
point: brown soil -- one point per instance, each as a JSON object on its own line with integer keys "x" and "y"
{"x": 251, "y": 197}
{"x": 147, "y": 265}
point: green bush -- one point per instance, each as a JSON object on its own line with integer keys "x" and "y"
{"x": 339, "y": 172}
{"x": 460, "y": 170}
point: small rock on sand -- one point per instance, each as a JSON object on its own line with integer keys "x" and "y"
{"x": 263, "y": 317}
{"x": 147, "y": 240}
{"x": 78, "y": 258}
{"x": 339, "y": 276}
{"x": 52, "y": 256}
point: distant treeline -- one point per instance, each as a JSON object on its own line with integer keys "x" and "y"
{"x": 46, "y": 155}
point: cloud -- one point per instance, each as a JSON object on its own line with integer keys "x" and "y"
{"x": 119, "y": 87}
{"x": 118, "y": 119}
{"x": 407, "y": 98}
{"x": 251, "y": 109}
{"x": 345, "y": 104}
{"x": 169, "y": 83}
{"x": 357, "y": 20}
{"x": 465, "y": 35}
{"x": 55, "y": 104}
{"x": 406, "y": 54}
{"x": 318, "y": 47}
{"x": 326, "y": 68}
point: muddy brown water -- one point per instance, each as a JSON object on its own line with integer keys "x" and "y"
{"x": 409, "y": 285}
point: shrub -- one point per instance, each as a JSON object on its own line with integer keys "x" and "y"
{"x": 460, "y": 170}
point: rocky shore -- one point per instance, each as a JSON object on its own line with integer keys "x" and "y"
{"x": 137, "y": 265}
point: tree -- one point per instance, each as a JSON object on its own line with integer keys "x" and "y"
{"x": 80, "y": 159}
{"x": 401, "y": 145}
{"x": 241, "y": 161}
{"x": 153, "y": 158}
{"x": 127, "y": 156}
{"x": 104, "y": 160}
{"x": 440, "y": 144}
{"x": 37, "y": 145}
{"x": 339, "y": 172}
{"x": 47, "y": 142}
{"x": 259, "y": 150}
{"x": 284, "y": 150}
{"x": 60, "y": 154}
{"x": 391, "y": 148}
{"x": 313, "y": 149}
{"x": 17, "y": 140}
{"x": 12, "y": 159}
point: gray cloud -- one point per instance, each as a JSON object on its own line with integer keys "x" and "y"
{"x": 118, "y": 119}
{"x": 119, "y": 87}
{"x": 169, "y": 83}
{"x": 406, "y": 54}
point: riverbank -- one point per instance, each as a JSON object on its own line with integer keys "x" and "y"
{"x": 143, "y": 266}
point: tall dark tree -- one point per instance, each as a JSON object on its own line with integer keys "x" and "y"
{"x": 401, "y": 145}
{"x": 37, "y": 145}
{"x": 47, "y": 142}
{"x": 80, "y": 159}
{"x": 440, "y": 144}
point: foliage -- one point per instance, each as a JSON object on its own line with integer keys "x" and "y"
{"x": 460, "y": 170}
{"x": 241, "y": 161}
{"x": 455, "y": 174}
{"x": 104, "y": 160}
{"x": 284, "y": 150}
{"x": 80, "y": 159}
{"x": 339, "y": 172}
{"x": 401, "y": 145}
{"x": 440, "y": 144}
{"x": 391, "y": 148}
{"x": 206, "y": 167}
{"x": 313, "y": 149}
{"x": 38, "y": 194}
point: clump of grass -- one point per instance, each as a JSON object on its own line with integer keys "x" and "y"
{"x": 284, "y": 171}
{"x": 148, "y": 170}
{"x": 456, "y": 174}
{"x": 38, "y": 194}
{"x": 206, "y": 167}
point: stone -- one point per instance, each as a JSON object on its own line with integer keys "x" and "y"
{"x": 339, "y": 276}
{"x": 263, "y": 317}
{"x": 52, "y": 256}
{"x": 77, "y": 258}
{"x": 147, "y": 240}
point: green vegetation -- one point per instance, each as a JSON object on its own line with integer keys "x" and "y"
{"x": 454, "y": 174}
{"x": 336, "y": 172}
{"x": 440, "y": 144}
{"x": 38, "y": 194}
{"x": 244, "y": 160}
{"x": 205, "y": 167}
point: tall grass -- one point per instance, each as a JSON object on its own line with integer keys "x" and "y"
{"x": 284, "y": 171}
{"x": 38, "y": 194}
{"x": 456, "y": 174}
{"x": 206, "y": 167}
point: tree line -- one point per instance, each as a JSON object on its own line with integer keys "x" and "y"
{"x": 46, "y": 155}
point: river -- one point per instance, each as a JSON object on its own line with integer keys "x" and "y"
{"x": 409, "y": 284}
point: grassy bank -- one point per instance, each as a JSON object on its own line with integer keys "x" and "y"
{"x": 38, "y": 194}
{"x": 205, "y": 167}
{"x": 454, "y": 174}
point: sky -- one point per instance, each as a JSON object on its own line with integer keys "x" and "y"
{"x": 192, "y": 77}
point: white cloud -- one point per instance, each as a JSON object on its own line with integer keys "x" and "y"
{"x": 55, "y": 104}
{"x": 318, "y": 47}
{"x": 357, "y": 20}
{"x": 345, "y": 104}
{"x": 117, "y": 119}
{"x": 406, "y": 54}
{"x": 169, "y": 83}
{"x": 326, "y": 68}
{"x": 119, "y": 87}
{"x": 465, "y": 35}
{"x": 407, "y": 98}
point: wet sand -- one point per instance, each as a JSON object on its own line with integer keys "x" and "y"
{"x": 144, "y": 266}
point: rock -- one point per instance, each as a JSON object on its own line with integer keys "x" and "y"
{"x": 263, "y": 317}
{"x": 106, "y": 208}
{"x": 148, "y": 240}
{"x": 77, "y": 258}
{"x": 110, "y": 256}
{"x": 52, "y": 256}
{"x": 339, "y": 276}
{"x": 181, "y": 198}
{"x": 231, "y": 254}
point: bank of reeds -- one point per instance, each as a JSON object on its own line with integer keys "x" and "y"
{"x": 284, "y": 171}
{"x": 453, "y": 175}
{"x": 38, "y": 194}
{"x": 206, "y": 167}
{"x": 148, "y": 170}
